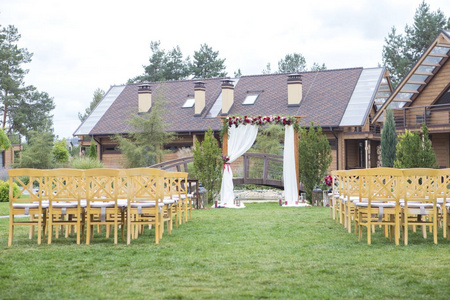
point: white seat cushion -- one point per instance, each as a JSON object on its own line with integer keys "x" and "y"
{"x": 99, "y": 204}
{"x": 142, "y": 204}
{"x": 122, "y": 203}
{"x": 64, "y": 204}
{"x": 26, "y": 205}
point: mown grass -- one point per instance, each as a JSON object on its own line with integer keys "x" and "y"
{"x": 262, "y": 251}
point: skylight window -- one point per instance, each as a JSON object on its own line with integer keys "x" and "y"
{"x": 189, "y": 103}
{"x": 250, "y": 99}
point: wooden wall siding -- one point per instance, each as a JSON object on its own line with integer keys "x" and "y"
{"x": 373, "y": 154}
{"x": 352, "y": 154}
{"x": 441, "y": 147}
{"x": 438, "y": 83}
{"x": 113, "y": 160}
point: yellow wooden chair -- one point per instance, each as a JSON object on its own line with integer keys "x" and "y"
{"x": 28, "y": 202}
{"x": 65, "y": 188}
{"x": 382, "y": 206}
{"x": 354, "y": 192}
{"x": 171, "y": 197}
{"x": 420, "y": 205}
{"x": 101, "y": 197}
{"x": 182, "y": 189}
{"x": 145, "y": 200}
{"x": 443, "y": 198}
{"x": 339, "y": 196}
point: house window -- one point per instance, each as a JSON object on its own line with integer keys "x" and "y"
{"x": 445, "y": 98}
{"x": 110, "y": 149}
{"x": 250, "y": 99}
{"x": 189, "y": 103}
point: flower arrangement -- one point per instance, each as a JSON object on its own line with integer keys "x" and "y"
{"x": 327, "y": 182}
{"x": 225, "y": 159}
{"x": 259, "y": 120}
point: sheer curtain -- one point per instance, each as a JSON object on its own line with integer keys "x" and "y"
{"x": 289, "y": 167}
{"x": 240, "y": 139}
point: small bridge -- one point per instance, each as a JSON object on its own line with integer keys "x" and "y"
{"x": 250, "y": 168}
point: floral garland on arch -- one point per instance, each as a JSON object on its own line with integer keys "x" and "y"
{"x": 258, "y": 120}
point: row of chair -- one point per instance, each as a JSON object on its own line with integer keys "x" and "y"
{"x": 396, "y": 200}
{"x": 80, "y": 199}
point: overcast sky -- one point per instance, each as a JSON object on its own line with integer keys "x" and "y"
{"x": 83, "y": 45}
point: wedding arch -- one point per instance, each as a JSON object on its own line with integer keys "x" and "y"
{"x": 239, "y": 134}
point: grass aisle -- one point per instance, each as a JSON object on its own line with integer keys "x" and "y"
{"x": 262, "y": 251}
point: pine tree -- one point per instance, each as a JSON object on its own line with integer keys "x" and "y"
{"x": 207, "y": 63}
{"x": 60, "y": 152}
{"x": 292, "y": 63}
{"x": 98, "y": 96}
{"x": 414, "y": 150}
{"x": 388, "y": 141}
{"x": 402, "y": 51}
{"x": 207, "y": 164}
{"x": 314, "y": 157}
{"x": 144, "y": 146}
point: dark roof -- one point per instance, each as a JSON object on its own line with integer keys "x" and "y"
{"x": 325, "y": 98}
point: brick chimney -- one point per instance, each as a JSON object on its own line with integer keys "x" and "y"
{"x": 294, "y": 89}
{"x": 145, "y": 97}
{"x": 199, "y": 95}
{"x": 227, "y": 95}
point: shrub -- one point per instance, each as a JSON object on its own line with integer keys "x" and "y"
{"x": 86, "y": 163}
{"x": 4, "y": 190}
{"x": 314, "y": 157}
{"x": 207, "y": 164}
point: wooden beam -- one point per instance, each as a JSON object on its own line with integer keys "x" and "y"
{"x": 443, "y": 45}
{"x": 383, "y": 90}
{"x": 423, "y": 73}
{"x": 430, "y": 64}
{"x": 437, "y": 55}
{"x": 409, "y": 91}
{"x": 401, "y": 100}
{"x": 416, "y": 82}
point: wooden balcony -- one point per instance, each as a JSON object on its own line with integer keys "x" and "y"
{"x": 436, "y": 117}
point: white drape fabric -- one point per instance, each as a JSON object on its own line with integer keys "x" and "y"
{"x": 240, "y": 139}
{"x": 289, "y": 171}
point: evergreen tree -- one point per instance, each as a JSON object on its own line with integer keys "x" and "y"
{"x": 267, "y": 70}
{"x": 207, "y": 63}
{"x": 388, "y": 141}
{"x": 144, "y": 146}
{"x": 207, "y": 164}
{"x": 98, "y": 96}
{"x": 164, "y": 65}
{"x": 292, "y": 63}
{"x": 401, "y": 51}
{"x": 24, "y": 108}
{"x": 38, "y": 152}
{"x": 314, "y": 157}
{"x": 93, "y": 150}
{"x": 5, "y": 143}
{"x": 318, "y": 67}
{"x": 414, "y": 150}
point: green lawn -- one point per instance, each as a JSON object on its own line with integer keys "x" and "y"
{"x": 262, "y": 251}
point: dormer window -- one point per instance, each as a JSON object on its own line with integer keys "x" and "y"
{"x": 189, "y": 103}
{"x": 250, "y": 99}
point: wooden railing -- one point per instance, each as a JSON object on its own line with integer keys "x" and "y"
{"x": 257, "y": 168}
{"x": 413, "y": 117}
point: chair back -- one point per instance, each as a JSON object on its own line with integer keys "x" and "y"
{"x": 65, "y": 185}
{"x": 31, "y": 185}
{"x": 145, "y": 184}
{"x": 385, "y": 184}
{"x": 102, "y": 185}
{"x": 420, "y": 185}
